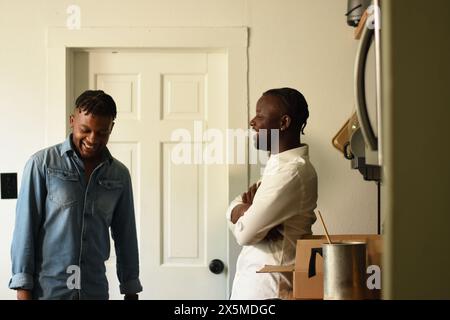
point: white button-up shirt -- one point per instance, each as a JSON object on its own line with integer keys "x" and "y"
{"x": 285, "y": 200}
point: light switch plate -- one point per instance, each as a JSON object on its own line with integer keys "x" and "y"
{"x": 8, "y": 185}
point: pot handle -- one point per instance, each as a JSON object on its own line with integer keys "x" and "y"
{"x": 312, "y": 261}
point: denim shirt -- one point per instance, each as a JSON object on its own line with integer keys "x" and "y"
{"x": 61, "y": 236}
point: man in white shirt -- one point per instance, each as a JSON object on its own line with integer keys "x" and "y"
{"x": 269, "y": 218}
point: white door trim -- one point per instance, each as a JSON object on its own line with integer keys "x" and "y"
{"x": 61, "y": 41}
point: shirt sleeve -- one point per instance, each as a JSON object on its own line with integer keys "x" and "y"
{"x": 123, "y": 230}
{"x": 272, "y": 205}
{"x": 29, "y": 211}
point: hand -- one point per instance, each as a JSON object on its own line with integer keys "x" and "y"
{"x": 131, "y": 296}
{"x": 23, "y": 294}
{"x": 238, "y": 211}
{"x": 247, "y": 197}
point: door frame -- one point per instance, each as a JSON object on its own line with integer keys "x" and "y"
{"x": 61, "y": 42}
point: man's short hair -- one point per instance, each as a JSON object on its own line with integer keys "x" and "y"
{"x": 96, "y": 102}
{"x": 295, "y": 104}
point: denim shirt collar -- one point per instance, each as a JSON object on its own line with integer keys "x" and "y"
{"x": 67, "y": 146}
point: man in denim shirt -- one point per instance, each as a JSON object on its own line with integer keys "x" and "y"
{"x": 71, "y": 194}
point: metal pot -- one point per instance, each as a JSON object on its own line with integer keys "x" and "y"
{"x": 344, "y": 270}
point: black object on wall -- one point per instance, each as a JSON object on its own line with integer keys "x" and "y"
{"x": 9, "y": 185}
{"x": 355, "y": 10}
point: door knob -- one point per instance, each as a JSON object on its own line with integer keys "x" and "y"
{"x": 216, "y": 266}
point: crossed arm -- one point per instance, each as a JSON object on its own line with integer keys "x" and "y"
{"x": 257, "y": 214}
{"x": 247, "y": 200}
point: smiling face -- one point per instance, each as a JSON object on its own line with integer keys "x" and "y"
{"x": 90, "y": 133}
{"x": 268, "y": 116}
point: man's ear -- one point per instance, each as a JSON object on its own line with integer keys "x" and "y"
{"x": 285, "y": 122}
{"x": 112, "y": 126}
{"x": 71, "y": 120}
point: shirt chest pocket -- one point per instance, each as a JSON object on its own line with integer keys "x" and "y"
{"x": 108, "y": 194}
{"x": 63, "y": 187}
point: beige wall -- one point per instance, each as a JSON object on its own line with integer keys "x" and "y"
{"x": 417, "y": 175}
{"x": 300, "y": 43}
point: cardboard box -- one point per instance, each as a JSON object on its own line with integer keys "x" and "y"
{"x": 312, "y": 288}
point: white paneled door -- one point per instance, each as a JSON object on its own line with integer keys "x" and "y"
{"x": 179, "y": 206}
